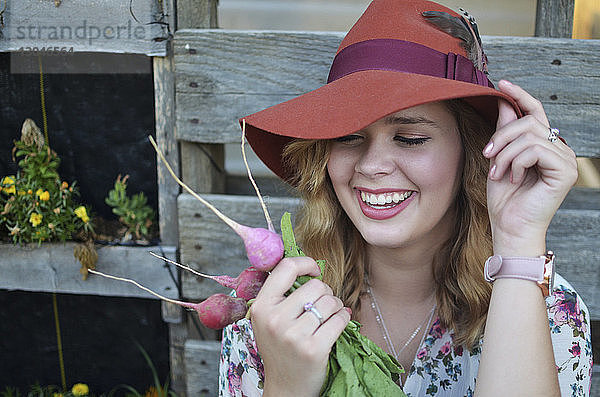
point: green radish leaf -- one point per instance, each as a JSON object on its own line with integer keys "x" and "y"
{"x": 356, "y": 367}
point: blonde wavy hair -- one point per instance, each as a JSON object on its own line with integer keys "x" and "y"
{"x": 325, "y": 232}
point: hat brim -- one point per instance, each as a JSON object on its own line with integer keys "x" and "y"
{"x": 353, "y": 102}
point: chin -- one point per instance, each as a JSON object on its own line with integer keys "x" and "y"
{"x": 381, "y": 239}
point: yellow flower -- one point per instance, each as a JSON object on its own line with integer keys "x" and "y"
{"x": 8, "y": 183}
{"x": 29, "y": 191}
{"x": 64, "y": 185}
{"x": 151, "y": 392}
{"x": 56, "y": 210}
{"x": 35, "y": 219}
{"x": 82, "y": 214}
{"x": 80, "y": 389}
{"x": 44, "y": 196}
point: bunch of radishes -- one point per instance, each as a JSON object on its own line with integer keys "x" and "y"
{"x": 264, "y": 248}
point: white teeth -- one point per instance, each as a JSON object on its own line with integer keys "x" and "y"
{"x": 385, "y": 198}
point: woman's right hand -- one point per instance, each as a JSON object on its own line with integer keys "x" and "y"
{"x": 293, "y": 344}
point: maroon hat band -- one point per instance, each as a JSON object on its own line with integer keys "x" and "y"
{"x": 404, "y": 56}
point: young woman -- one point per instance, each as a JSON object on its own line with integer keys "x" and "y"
{"x": 414, "y": 171}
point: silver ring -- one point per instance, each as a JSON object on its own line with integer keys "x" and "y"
{"x": 310, "y": 307}
{"x": 553, "y": 134}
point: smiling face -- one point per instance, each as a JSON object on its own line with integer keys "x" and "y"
{"x": 397, "y": 178}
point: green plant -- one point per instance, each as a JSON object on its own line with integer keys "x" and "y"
{"x": 35, "y": 205}
{"x": 36, "y": 390}
{"x": 133, "y": 212}
{"x": 157, "y": 390}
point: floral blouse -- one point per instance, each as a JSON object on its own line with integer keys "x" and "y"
{"x": 440, "y": 368}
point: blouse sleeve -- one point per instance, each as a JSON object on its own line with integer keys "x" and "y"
{"x": 571, "y": 339}
{"x": 241, "y": 372}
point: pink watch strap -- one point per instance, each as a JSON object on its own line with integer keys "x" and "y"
{"x": 514, "y": 267}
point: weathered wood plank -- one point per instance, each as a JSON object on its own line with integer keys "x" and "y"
{"x": 208, "y": 245}
{"x": 595, "y": 390}
{"x": 52, "y": 268}
{"x": 202, "y": 367}
{"x": 223, "y": 75}
{"x": 203, "y": 166}
{"x": 85, "y": 26}
{"x": 164, "y": 116}
{"x": 194, "y": 14}
{"x": 554, "y": 18}
{"x": 574, "y": 236}
{"x": 582, "y": 198}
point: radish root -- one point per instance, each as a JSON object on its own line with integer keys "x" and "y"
{"x": 186, "y": 304}
{"x": 232, "y": 224}
{"x": 184, "y": 267}
{"x": 260, "y": 197}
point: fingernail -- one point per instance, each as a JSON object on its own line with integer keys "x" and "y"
{"x": 348, "y": 310}
{"x": 493, "y": 172}
{"x": 488, "y": 148}
{"x": 505, "y": 82}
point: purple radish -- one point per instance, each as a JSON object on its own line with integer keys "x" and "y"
{"x": 220, "y": 310}
{"x": 246, "y": 285}
{"x": 250, "y": 281}
{"x": 216, "y": 312}
{"x": 264, "y": 247}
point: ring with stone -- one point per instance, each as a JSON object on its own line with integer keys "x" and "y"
{"x": 310, "y": 307}
{"x": 553, "y": 135}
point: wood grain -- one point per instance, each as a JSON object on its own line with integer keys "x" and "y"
{"x": 208, "y": 245}
{"x": 554, "y": 18}
{"x": 223, "y": 75}
{"x": 52, "y": 268}
{"x": 202, "y": 367}
{"x": 85, "y": 26}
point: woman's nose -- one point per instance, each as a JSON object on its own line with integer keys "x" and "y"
{"x": 375, "y": 160}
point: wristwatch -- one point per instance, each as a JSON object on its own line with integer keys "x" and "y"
{"x": 540, "y": 269}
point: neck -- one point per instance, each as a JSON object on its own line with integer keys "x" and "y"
{"x": 399, "y": 275}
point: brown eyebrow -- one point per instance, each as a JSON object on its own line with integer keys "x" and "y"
{"x": 393, "y": 119}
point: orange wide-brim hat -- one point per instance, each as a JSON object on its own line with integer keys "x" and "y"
{"x": 393, "y": 58}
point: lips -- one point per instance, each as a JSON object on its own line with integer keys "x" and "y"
{"x": 380, "y": 205}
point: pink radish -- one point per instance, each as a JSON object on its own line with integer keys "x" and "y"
{"x": 216, "y": 312}
{"x": 246, "y": 285}
{"x": 220, "y": 310}
{"x": 264, "y": 247}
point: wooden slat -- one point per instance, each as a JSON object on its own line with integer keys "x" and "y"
{"x": 95, "y": 26}
{"x": 207, "y": 244}
{"x": 554, "y": 18}
{"x": 595, "y": 390}
{"x": 52, "y": 268}
{"x": 202, "y": 367}
{"x": 574, "y": 236}
{"x": 582, "y": 198}
{"x": 164, "y": 116}
{"x": 223, "y": 75}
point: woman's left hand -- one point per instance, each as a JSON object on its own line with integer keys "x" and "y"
{"x": 529, "y": 175}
